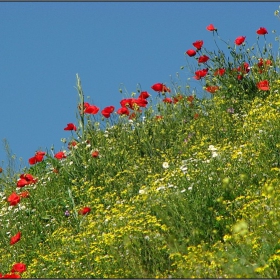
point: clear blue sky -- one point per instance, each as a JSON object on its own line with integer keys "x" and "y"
{"x": 44, "y": 45}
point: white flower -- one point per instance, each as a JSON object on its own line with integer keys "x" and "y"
{"x": 161, "y": 188}
{"x": 214, "y": 154}
{"x": 165, "y": 165}
{"x": 142, "y": 191}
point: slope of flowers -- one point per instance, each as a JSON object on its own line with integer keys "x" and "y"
{"x": 176, "y": 186}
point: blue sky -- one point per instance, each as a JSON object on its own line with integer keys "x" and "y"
{"x": 44, "y": 44}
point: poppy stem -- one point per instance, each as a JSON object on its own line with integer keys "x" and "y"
{"x": 81, "y": 105}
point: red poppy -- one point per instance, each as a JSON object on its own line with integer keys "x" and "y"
{"x": 90, "y": 109}
{"x": 14, "y": 199}
{"x": 160, "y": 88}
{"x": 11, "y": 276}
{"x": 60, "y": 155}
{"x": 220, "y": 72}
{"x": 25, "y": 179}
{"x": 167, "y": 100}
{"x": 72, "y": 144}
{"x": 177, "y": 98}
{"x": 212, "y": 89}
{"x": 84, "y": 211}
{"x": 39, "y": 155}
{"x": 19, "y": 267}
{"x": 191, "y": 52}
{"x": 70, "y": 126}
{"x": 123, "y": 111}
{"x": 106, "y": 112}
{"x": 211, "y": 27}
{"x": 245, "y": 68}
{"x": 95, "y": 154}
{"x": 144, "y": 95}
{"x": 198, "y": 44}
{"x": 239, "y": 40}
{"x": 190, "y": 98}
{"x": 200, "y": 74}
{"x": 132, "y": 116}
{"x": 159, "y": 117}
{"x": 15, "y": 238}
{"x": 196, "y": 115}
{"x": 263, "y": 85}
{"x": 203, "y": 58}
{"x": 24, "y": 194}
{"x": 262, "y": 31}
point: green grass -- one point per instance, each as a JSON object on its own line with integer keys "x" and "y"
{"x": 192, "y": 193}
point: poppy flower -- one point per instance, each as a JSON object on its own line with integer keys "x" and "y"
{"x": 15, "y": 238}
{"x": 14, "y": 199}
{"x": 25, "y": 179}
{"x": 198, "y": 44}
{"x": 144, "y": 95}
{"x": 190, "y": 98}
{"x": 10, "y": 276}
{"x": 60, "y": 155}
{"x": 262, "y": 31}
{"x": 39, "y": 155}
{"x": 123, "y": 111}
{"x": 19, "y": 267}
{"x": 160, "y": 88}
{"x": 203, "y": 59}
{"x": 196, "y": 116}
{"x": 263, "y": 85}
{"x": 245, "y": 68}
{"x": 24, "y": 194}
{"x": 239, "y": 40}
{"x": 70, "y": 126}
{"x": 177, "y": 98}
{"x": 72, "y": 144}
{"x": 90, "y": 109}
{"x": 106, "y": 112}
{"x": 84, "y": 211}
{"x": 191, "y": 52}
{"x": 211, "y": 27}
{"x": 200, "y": 74}
{"x": 95, "y": 154}
{"x": 220, "y": 72}
{"x": 212, "y": 89}
{"x": 167, "y": 100}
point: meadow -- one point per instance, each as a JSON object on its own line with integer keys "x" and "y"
{"x": 176, "y": 186}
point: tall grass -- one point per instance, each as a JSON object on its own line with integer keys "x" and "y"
{"x": 178, "y": 186}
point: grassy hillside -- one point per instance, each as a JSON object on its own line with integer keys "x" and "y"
{"x": 175, "y": 186}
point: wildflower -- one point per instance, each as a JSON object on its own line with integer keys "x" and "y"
{"x": 211, "y": 27}
{"x": 72, "y": 144}
{"x": 160, "y": 87}
{"x": 67, "y": 213}
{"x": 167, "y": 100}
{"x": 14, "y": 199}
{"x": 165, "y": 165}
{"x": 144, "y": 95}
{"x": 70, "y": 126}
{"x": 39, "y": 155}
{"x": 212, "y": 89}
{"x": 19, "y": 267}
{"x": 106, "y": 112}
{"x": 90, "y": 109}
{"x": 15, "y": 238}
{"x": 60, "y": 155}
{"x": 219, "y": 72}
{"x": 262, "y": 31}
{"x": 123, "y": 111}
{"x": 239, "y": 40}
{"x": 196, "y": 116}
{"x": 11, "y": 276}
{"x": 198, "y": 44}
{"x": 190, "y": 98}
{"x": 230, "y": 110}
{"x": 203, "y": 59}
{"x": 263, "y": 85}
{"x": 24, "y": 194}
{"x": 200, "y": 74}
{"x": 191, "y": 52}
{"x": 95, "y": 154}
{"x": 84, "y": 211}
{"x": 25, "y": 179}
{"x": 1, "y": 169}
